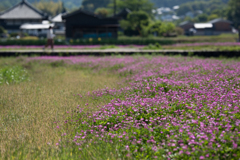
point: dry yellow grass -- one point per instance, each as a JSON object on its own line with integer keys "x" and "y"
{"x": 28, "y": 110}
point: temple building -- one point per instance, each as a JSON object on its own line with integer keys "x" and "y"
{"x": 21, "y": 13}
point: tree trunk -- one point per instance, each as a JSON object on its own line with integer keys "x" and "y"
{"x": 139, "y": 31}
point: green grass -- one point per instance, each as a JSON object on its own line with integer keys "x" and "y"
{"x": 202, "y": 48}
{"x": 30, "y": 108}
{"x": 189, "y": 39}
{"x": 102, "y": 47}
{"x": 11, "y": 75}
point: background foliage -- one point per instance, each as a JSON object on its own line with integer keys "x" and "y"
{"x": 211, "y": 9}
{"x": 234, "y": 12}
{"x": 208, "y": 7}
{"x": 73, "y": 4}
{"x": 51, "y": 8}
{"x": 70, "y": 4}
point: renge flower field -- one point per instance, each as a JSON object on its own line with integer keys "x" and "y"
{"x": 171, "y": 108}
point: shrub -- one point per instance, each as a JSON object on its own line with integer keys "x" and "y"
{"x": 27, "y": 41}
{"x": 30, "y": 38}
{"x": 2, "y": 30}
{"x": 11, "y": 75}
{"x": 151, "y": 46}
{"x": 13, "y": 34}
{"x": 179, "y": 31}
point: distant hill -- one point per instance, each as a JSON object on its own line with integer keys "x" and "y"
{"x": 171, "y": 3}
{"x": 69, "y": 4}
{"x": 73, "y": 4}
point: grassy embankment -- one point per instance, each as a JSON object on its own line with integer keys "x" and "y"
{"x": 191, "y": 39}
{"x": 199, "y": 47}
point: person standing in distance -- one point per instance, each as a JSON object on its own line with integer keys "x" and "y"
{"x": 50, "y": 37}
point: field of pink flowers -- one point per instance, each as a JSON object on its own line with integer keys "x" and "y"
{"x": 173, "y": 108}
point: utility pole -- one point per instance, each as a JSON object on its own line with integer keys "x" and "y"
{"x": 115, "y": 7}
{"x": 238, "y": 33}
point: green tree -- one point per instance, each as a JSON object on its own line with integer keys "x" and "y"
{"x": 212, "y": 16}
{"x": 2, "y": 30}
{"x": 161, "y": 28}
{"x": 220, "y": 12}
{"x": 184, "y": 9}
{"x": 170, "y": 3}
{"x": 134, "y": 5}
{"x": 93, "y": 5}
{"x": 51, "y": 8}
{"x": 207, "y": 6}
{"x": 179, "y": 31}
{"x": 2, "y": 8}
{"x": 234, "y": 12}
{"x": 136, "y": 21}
{"x": 156, "y": 27}
{"x": 202, "y": 18}
{"x": 102, "y": 12}
{"x": 167, "y": 28}
{"x": 70, "y": 4}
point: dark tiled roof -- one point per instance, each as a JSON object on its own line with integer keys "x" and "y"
{"x": 23, "y": 10}
{"x": 219, "y": 20}
{"x": 184, "y": 23}
{"x": 64, "y": 16}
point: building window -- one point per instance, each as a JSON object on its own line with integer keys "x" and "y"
{"x": 10, "y": 22}
{"x": 17, "y": 22}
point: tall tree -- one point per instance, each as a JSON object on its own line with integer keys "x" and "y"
{"x": 206, "y": 6}
{"x": 136, "y": 21}
{"x": 92, "y": 5}
{"x": 171, "y": 3}
{"x": 134, "y": 5}
{"x": 102, "y": 12}
{"x": 51, "y": 8}
{"x": 70, "y": 4}
{"x": 234, "y": 12}
{"x": 2, "y": 30}
{"x": 202, "y": 18}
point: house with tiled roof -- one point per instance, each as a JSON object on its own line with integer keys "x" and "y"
{"x": 213, "y": 27}
{"x": 22, "y": 13}
{"x": 59, "y": 28}
{"x": 85, "y": 24}
{"x": 186, "y": 26}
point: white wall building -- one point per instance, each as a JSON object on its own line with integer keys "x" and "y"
{"x": 59, "y": 28}
{"x": 39, "y": 30}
